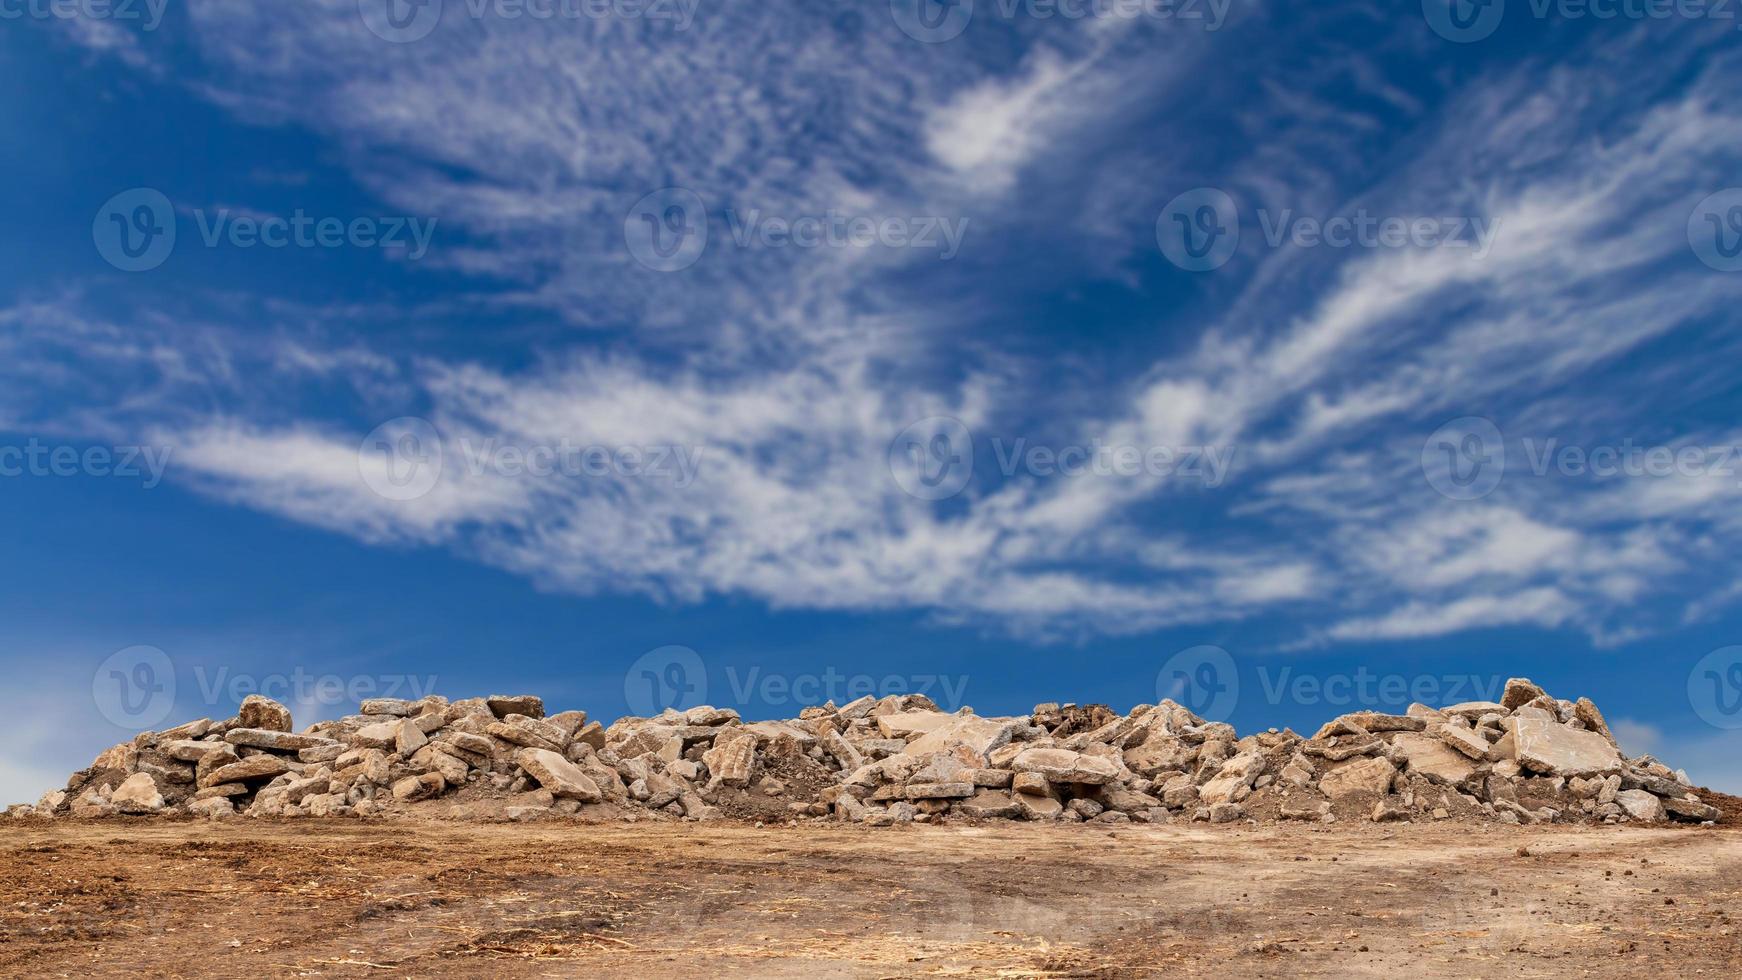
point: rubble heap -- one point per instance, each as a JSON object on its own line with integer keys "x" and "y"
{"x": 879, "y": 761}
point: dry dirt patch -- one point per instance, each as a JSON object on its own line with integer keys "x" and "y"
{"x": 338, "y": 898}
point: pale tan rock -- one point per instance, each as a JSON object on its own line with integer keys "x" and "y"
{"x": 1368, "y": 722}
{"x": 971, "y": 733}
{"x": 137, "y": 793}
{"x": 912, "y": 724}
{"x": 248, "y": 770}
{"x": 989, "y": 804}
{"x": 939, "y": 791}
{"x": 1034, "y": 807}
{"x": 1640, "y": 805}
{"x": 731, "y": 762}
{"x": 1551, "y": 748}
{"x": 419, "y": 787}
{"x": 380, "y": 735}
{"x": 1463, "y": 739}
{"x": 408, "y": 738}
{"x": 529, "y": 732}
{"x": 1586, "y": 711}
{"x": 504, "y": 705}
{"x": 563, "y": 778}
{"x": 1520, "y": 691}
{"x": 1236, "y": 774}
{"x": 212, "y": 808}
{"x": 262, "y": 712}
{"x": 188, "y": 750}
{"x": 1370, "y": 775}
{"x": 278, "y": 741}
{"x": 1434, "y": 758}
{"x": 1065, "y": 766}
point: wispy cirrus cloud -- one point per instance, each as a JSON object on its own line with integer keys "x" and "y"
{"x": 790, "y": 372}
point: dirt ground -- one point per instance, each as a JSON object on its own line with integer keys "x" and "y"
{"x": 646, "y": 900}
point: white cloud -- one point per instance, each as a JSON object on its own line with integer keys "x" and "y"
{"x": 790, "y": 373}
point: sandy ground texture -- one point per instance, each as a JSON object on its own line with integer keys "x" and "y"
{"x": 646, "y": 900}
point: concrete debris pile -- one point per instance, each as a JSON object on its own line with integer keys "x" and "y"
{"x": 1530, "y": 758}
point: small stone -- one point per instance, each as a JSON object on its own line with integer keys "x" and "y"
{"x": 420, "y": 787}
{"x": 262, "y": 712}
{"x": 503, "y": 705}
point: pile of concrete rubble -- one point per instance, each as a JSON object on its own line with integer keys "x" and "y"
{"x": 879, "y": 761}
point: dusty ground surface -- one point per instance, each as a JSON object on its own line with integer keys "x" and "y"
{"x": 343, "y": 898}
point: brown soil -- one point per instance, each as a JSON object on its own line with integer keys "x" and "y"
{"x": 659, "y": 899}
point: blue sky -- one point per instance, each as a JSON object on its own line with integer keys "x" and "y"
{"x": 1281, "y": 360}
